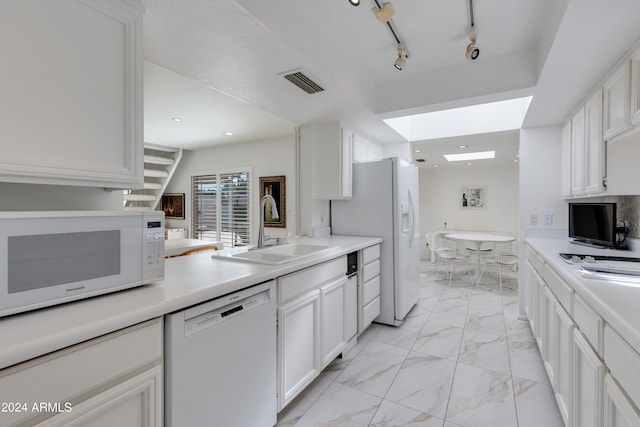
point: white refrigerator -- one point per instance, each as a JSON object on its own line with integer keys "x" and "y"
{"x": 385, "y": 204}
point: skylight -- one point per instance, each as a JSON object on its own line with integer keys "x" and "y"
{"x": 470, "y": 156}
{"x": 475, "y": 119}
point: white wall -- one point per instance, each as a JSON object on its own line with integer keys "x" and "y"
{"x": 440, "y": 199}
{"x": 266, "y": 158}
{"x": 540, "y": 181}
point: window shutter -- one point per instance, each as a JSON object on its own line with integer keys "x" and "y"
{"x": 220, "y": 207}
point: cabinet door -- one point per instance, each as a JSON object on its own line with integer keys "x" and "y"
{"x": 594, "y": 145}
{"x": 346, "y": 160}
{"x": 616, "y": 102}
{"x": 588, "y": 376}
{"x": 133, "y": 403}
{"x": 577, "y": 153}
{"x": 549, "y": 336}
{"x": 298, "y": 345}
{"x": 72, "y": 97}
{"x": 333, "y": 340}
{"x": 566, "y": 160}
{"x": 563, "y": 358}
{"x": 635, "y": 87}
{"x": 618, "y": 410}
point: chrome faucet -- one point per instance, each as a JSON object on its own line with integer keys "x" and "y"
{"x": 274, "y": 215}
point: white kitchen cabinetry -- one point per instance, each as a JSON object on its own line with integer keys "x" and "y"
{"x": 298, "y": 345}
{"x": 310, "y": 324}
{"x": 72, "y": 97}
{"x": 333, "y": 337}
{"x": 369, "y": 295}
{"x": 566, "y": 160}
{"x": 616, "y": 105}
{"x": 115, "y": 379}
{"x": 618, "y": 410}
{"x": 588, "y": 377}
{"x": 563, "y": 362}
{"x": 593, "y": 145}
{"x": 365, "y": 150}
{"x": 583, "y": 150}
{"x": 332, "y": 159}
{"x": 577, "y": 152}
{"x": 549, "y": 337}
{"x": 635, "y": 86}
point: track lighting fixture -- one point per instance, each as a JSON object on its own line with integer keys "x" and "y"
{"x": 354, "y": 2}
{"x": 472, "y": 52}
{"x": 401, "y": 61}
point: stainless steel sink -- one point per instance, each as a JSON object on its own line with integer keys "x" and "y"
{"x": 273, "y": 255}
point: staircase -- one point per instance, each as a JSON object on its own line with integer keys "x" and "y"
{"x": 160, "y": 163}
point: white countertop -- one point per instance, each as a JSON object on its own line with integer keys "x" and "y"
{"x": 617, "y": 302}
{"x": 189, "y": 280}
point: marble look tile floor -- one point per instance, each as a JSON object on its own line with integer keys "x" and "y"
{"x": 461, "y": 359}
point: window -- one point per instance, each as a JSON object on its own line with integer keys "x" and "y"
{"x": 220, "y": 208}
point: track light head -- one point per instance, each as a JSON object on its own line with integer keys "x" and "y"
{"x": 401, "y": 61}
{"x": 472, "y": 52}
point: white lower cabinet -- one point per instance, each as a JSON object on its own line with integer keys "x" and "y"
{"x": 111, "y": 380}
{"x": 588, "y": 377}
{"x": 135, "y": 402}
{"x": 310, "y": 325}
{"x": 298, "y": 344}
{"x": 563, "y": 362}
{"x": 369, "y": 287}
{"x": 333, "y": 338}
{"x": 618, "y": 410}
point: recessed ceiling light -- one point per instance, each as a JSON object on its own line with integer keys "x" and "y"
{"x": 470, "y": 156}
{"x": 176, "y": 119}
{"x": 417, "y": 150}
{"x": 435, "y": 166}
{"x": 463, "y": 146}
{"x": 469, "y": 163}
{"x": 515, "y": 161}
{"x": 229, "y": 133}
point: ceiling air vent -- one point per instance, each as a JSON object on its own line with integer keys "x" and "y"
{"x": 303, "y": 81}
{"x": 420, "y": 160}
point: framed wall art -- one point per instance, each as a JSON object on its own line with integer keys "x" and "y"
{"x": 473, "y": 197}
{"x": 173, "y": 205}
{"x": 276, "y": 187}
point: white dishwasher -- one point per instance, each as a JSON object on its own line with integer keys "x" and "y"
{"x": 220, "y": 361}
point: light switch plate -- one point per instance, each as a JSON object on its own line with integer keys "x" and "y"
{"x": 548, "y": 219}
{"x": 533, "y": 219}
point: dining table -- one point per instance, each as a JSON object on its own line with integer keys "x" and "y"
{"x": 478, "y": 239}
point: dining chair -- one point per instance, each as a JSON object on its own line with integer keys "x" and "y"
{"x": 447, "y": 252}
{"x": 503, "y": 256}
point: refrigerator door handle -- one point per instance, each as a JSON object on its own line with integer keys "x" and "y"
{"x": 411, "y": 219}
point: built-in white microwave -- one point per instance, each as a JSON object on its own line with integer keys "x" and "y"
{"x": 48, "y": 258}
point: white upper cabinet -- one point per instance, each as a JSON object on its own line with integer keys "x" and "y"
{"x": 331, "y": 159}
{"x": 71, "y": 110}
{"x": 635, "y": 86}
{"x": 566, "y": 160}
{"x": 577, "y": 152}
{"x": 593, "y": 145}
{"x": 616, "y": 117}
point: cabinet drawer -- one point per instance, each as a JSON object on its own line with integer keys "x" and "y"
{"x": 371, "y": 253}
{"x": 560, "y": 289}
{"x": 622, "y": 360}
{"x": 300, "y": 282}
{"x": 78, "y": 371}
{"x": 370, "y": 311}
{"x": 589, "y": 323}
{"x": 370, "y": 271}
{"x": 370, "y": 290}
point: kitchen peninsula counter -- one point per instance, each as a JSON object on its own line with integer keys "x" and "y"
{"x": 189, "y": 280}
